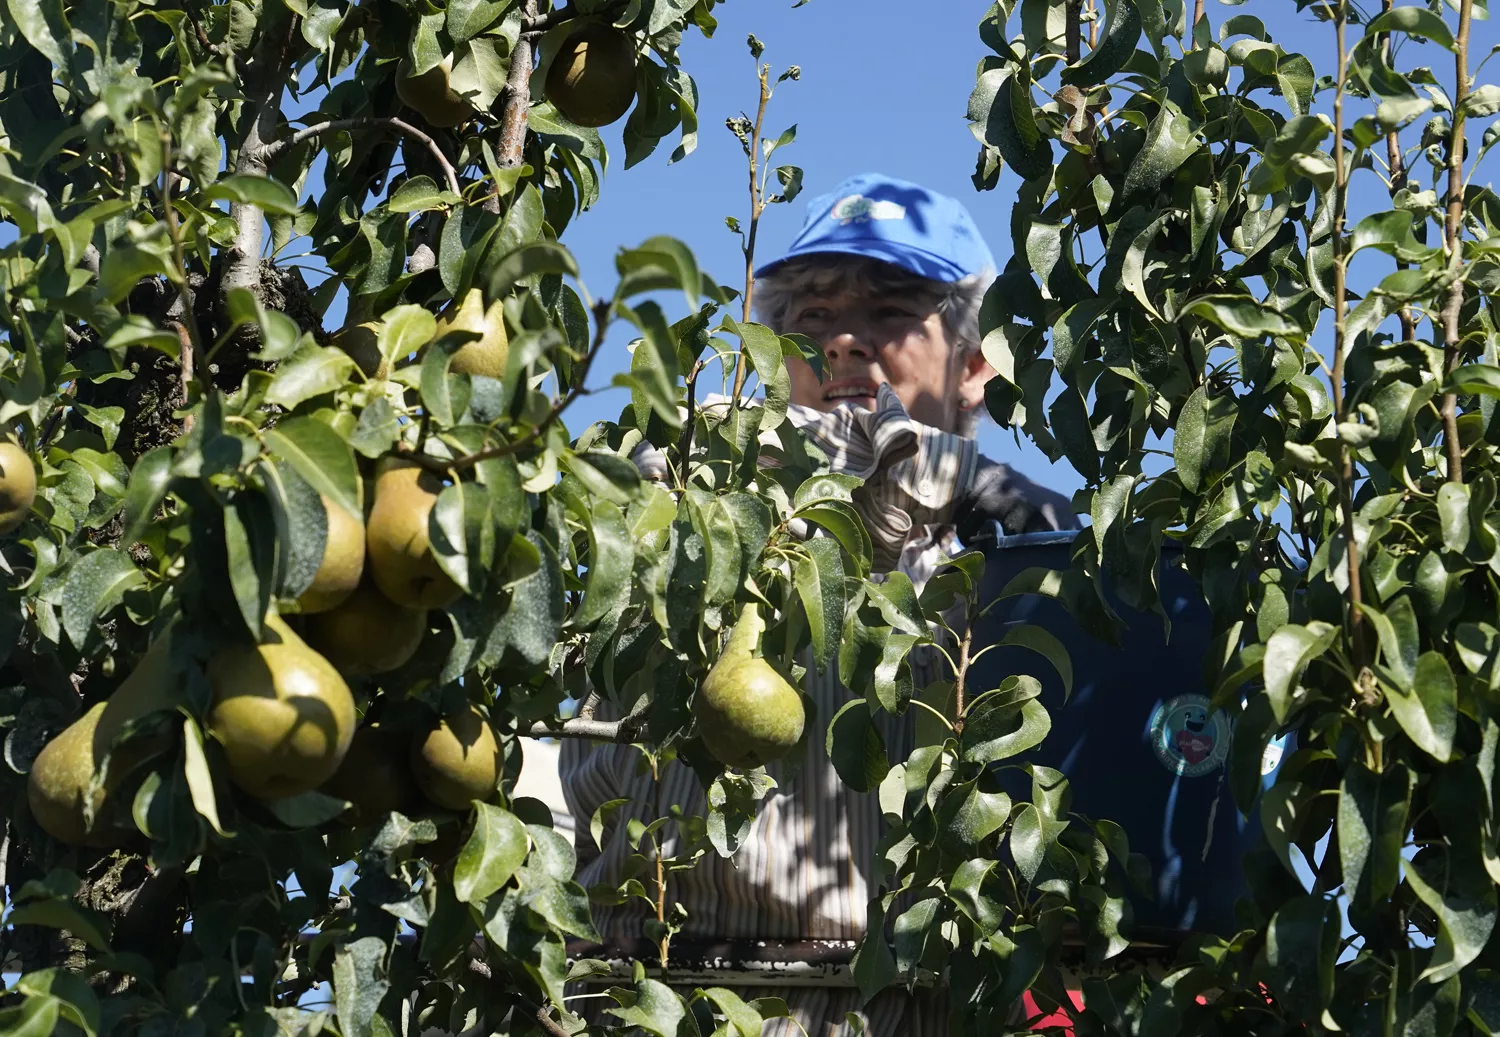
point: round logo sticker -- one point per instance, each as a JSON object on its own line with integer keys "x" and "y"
{"x": 1188, "y": 738}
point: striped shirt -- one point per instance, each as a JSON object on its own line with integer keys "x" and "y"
{"x": 805, "y": 871}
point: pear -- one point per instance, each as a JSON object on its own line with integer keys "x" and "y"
{"x": 456, "y": 760}
{"x": 367, "y": 633}
{"x": 17, "y": 486}
{"x": 592, "y": 78}
{"x": 375, "y": 776}
{"x": 362, "y": 343}
{"x": 62, "y": 772}
{"x": 343, "y": 561}
{"x": 485, "y": 355}
{"x": 747, "y": 713}
{"x": 282, "y": 713}
{"x": 432, "y": 94}
{"x": 401, "y": 559}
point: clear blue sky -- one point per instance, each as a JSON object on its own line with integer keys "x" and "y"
{"x": 885, "y": 85}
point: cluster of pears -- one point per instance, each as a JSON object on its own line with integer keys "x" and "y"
{"x": 748, "y": 714}
{"x": 591, "y": 81}
{"x": 484, "y": 355}
{"x": 281, "y": 709}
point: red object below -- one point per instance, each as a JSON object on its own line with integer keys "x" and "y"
{"x": 1058, "y": 1018}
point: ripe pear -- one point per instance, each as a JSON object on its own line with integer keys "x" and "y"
{"x": 343, "y": 561}
{"x": 401, "y": 559}
{"x": 367, "y": 633}
{"x": 17, "y": 485}
{"x": 62, "y": 772}
{"x": 456, "y": 760}
{"x": 282, "y": 713}
{"x": 432, "y": 94}
{"x": 592, "y": 79}
{"x": 375, "y": 776}
{"x": 362, "y": 343}
{"x": 747, "y": 713}
{"x": 485, "y": 355}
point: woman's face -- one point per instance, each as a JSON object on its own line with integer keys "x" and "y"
{"x": 869, "y": 339}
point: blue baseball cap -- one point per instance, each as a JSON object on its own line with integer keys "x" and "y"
{"x": 896, "y": 221}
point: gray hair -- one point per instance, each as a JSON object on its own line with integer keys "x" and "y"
{"x": 956, "y": 302}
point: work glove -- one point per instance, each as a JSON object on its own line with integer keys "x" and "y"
{"x": 999, "y": 494}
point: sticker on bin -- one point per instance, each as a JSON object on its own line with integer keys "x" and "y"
{"x": 1189, "y": 736}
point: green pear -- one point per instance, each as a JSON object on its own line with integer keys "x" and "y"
{"x": 367, "y": 633}
{"x": 375, "y": 776}
{"x": 362, "y": 343}
{"x": 58, "y": 784}
{"x": 432, "y": 93}
{"x": 282, "y": 713}
{"x": 747, "y": 713}
{"x": 485, "y": 355}
{"x": 17, "y": 486}
{"x": 401, "y": 559}
{"x": 343, "y": 561}
{"x": 456, "y": 759}
{"x": 592, "y": 78}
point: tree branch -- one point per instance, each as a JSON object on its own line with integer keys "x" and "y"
{"x": 1454, "y": 225}
{"x": 1074, "y": 38}
{"x": 757, "y": 206}
{"x": 272, "y": 151}
{"x": 517, "y": 94}
{"x": 242, "y": 269}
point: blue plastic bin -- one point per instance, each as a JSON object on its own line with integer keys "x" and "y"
{"x": 1136, "y": 739}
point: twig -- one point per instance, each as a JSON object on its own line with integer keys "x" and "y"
{"x": 517, "y": 94}
{"x": 1455, "y": 252}
{"x": 188, "y": 334}
{"x": 185, "y": 344}
{"x": 623, "y": 731}
{"x": 757, "y": 206}
{"x": 543, "y": 1014}
{"x": 1340, "y": 299}
{"x": 1093, "y": 12}
{"x": 1396, "y": 162}
{"x": 273, "y": 150}
{"x": 961, "y": 676}
{"x": 440, "y": 465}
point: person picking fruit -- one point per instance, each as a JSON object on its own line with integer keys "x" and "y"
{"x": 887, "y": 277}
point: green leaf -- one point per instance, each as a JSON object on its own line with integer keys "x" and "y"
{"x": 250, "y": 544}
{"x": 359, "y": 986}
{"x": 1465, "y": 910}
{"x": 998, "y": 732}
{"x": 199, "y": 780}
{"x": 1241, "y": 315}
{"x": 1427, "y": 709}
{"x": 1482, "y": 102}
{"x": 966, "y": 889}
{"x": 403, "y": 331}
{"x": 743, "y": 1019}
{"x": 445, "y": 396}
{"x": 873, "y": 965}
{"x": 95, "y": 584}
{"x": 124, "y": 267}
{"x": 856, "y": 748}
{"x": 1117, "y": 43}
{"x": 652, "y": 1006}
{"x": 530, "y": 260}
{"x": 420, "y": 193}
{"x": 377, "y": 430}
{"x": 611, "y": 562}
{"x": 149, "y": 482}
{"x": 308, "y": 809}
{"x": 494, "y": 851}
{"x": 321, "y": 456}
{"x": 61, "y": 913}
{"x": 45, "y": 27}
{"x": 1302, "y": 945}
{"x": 311, "y": 371}
{"x": 844, "y": 523}
{"x": 34, "y": 1017}
{"x": 1028, "y": 842}
{"x": 912, "y": 931}
{"x": 1398, "y": 633}
{"x": 1044, "y": 643}
{"x": 1371, "y": 823}
{"x": 461, "y": 530}
{"x": 79, "y": 1003}
{"x": 819, "y": 575}
{"x": 270, "y": 196}
{"x": 1453, "y": 515}
{"x": 1288, "y": 653}
{"x": 1414, "y": 21}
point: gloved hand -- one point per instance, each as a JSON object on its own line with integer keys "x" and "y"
{"x": 1000, "y": 494}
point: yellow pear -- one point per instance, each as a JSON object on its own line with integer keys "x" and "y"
{"x": 375, "y": 776}
{"x": 282, "y": 713}
{"x": 485, "y": 355}
{"x": 17, "y": 486}
{"x": 343, "y": 561}
{"x": 362, "y": 343}
{"x": 401, "y": 559}
{"x": 747, "y": 713}
{"x": 592, "y": 79}
{"x": 432, "y": 94}
{"x": 456, "y": 760}
{"x": 58, "y": 784}
{"x": 367, "y": 633}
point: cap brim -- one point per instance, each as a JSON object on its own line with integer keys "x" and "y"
{"x": 916, "y": 260}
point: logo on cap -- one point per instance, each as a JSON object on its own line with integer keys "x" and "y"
{"x": 1190, "y": 737}
{"x": 856, "y": 208}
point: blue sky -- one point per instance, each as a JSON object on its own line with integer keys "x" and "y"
{"x": 882, "y": 89}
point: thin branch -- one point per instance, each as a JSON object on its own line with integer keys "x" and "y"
{"x": 1093, "y": 13}
{"x": 621, "y": 732}
{"x": 961, "y": 677}
{"x": 517, "y": 95}
{"x": 757, "y": 206}
{"x": 272, "y": 151}
{"x": 544, "y": 1017}
{"x": 1455, "y": 251}
{"x": 442, "y": 465}
{"x": 1340, "y": 304}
